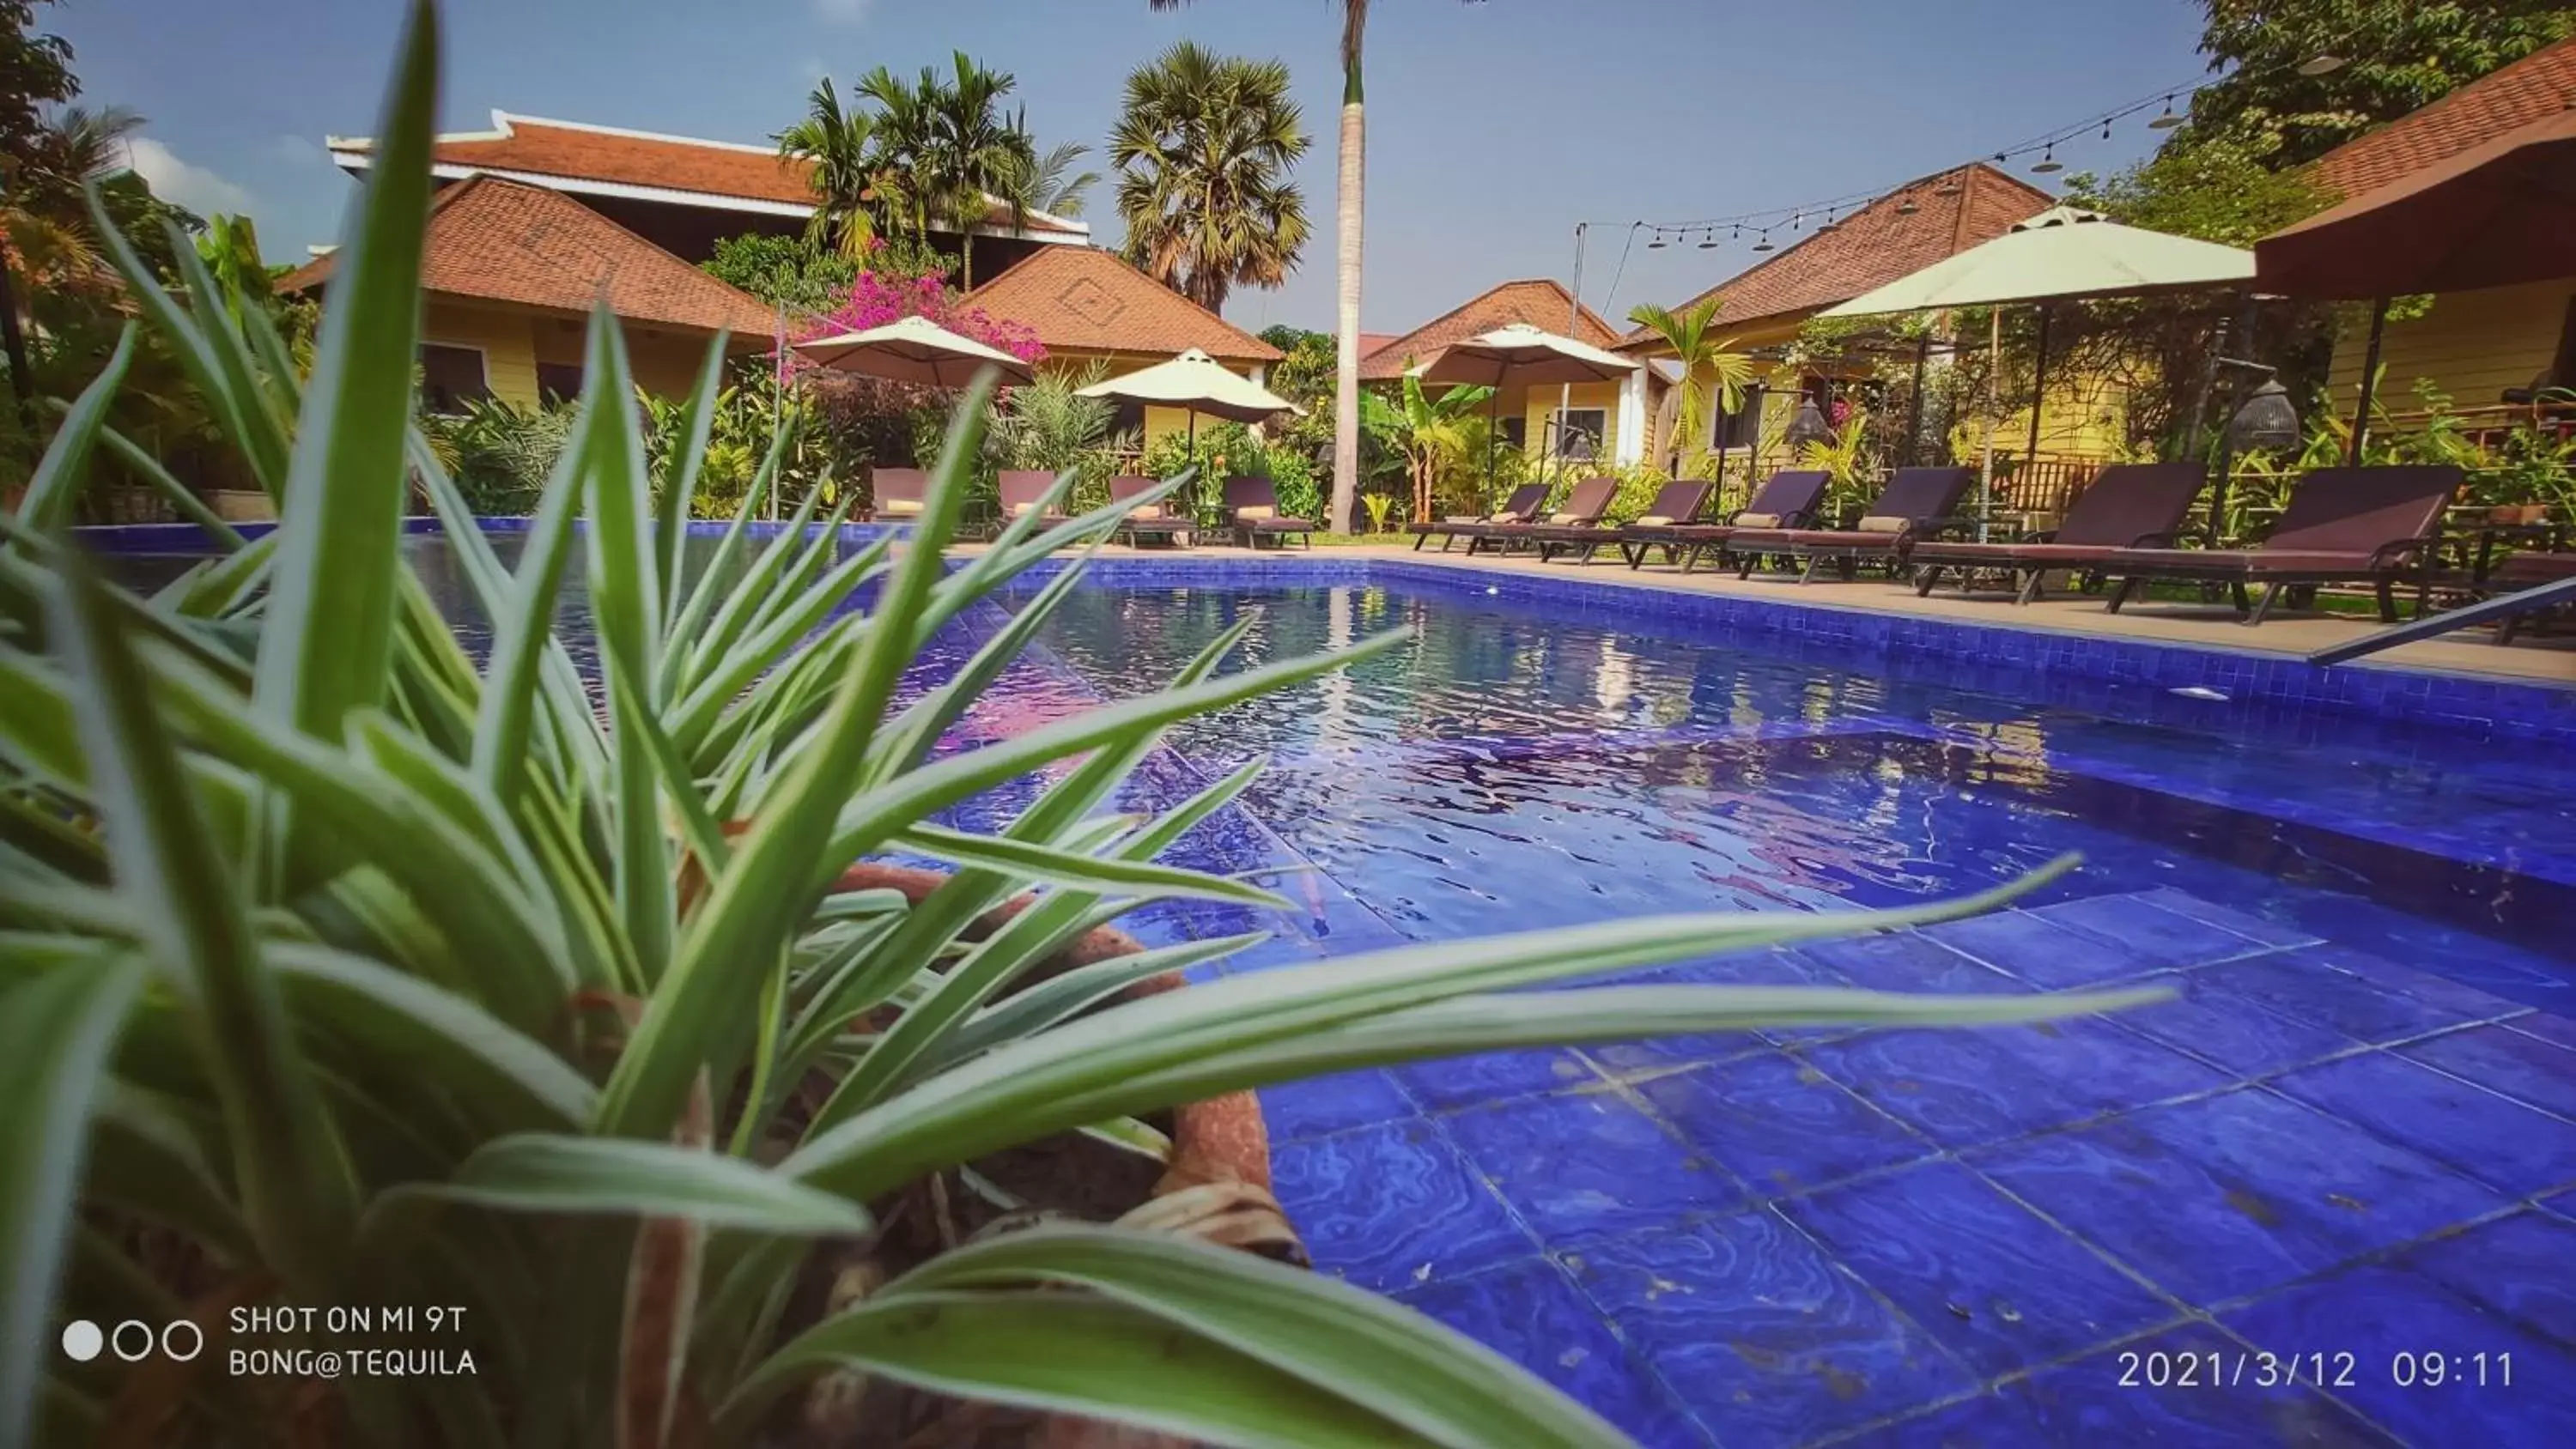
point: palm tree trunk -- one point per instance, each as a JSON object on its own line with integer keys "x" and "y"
{"x": 1346, "y": 370}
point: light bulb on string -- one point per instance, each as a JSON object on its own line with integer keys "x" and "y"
{"x": 1907, "y": 206}
{"x": 1708, "y": 240}
{"x": 2106, "y": 130}
{"x": 2048, "y": 162}
{"x": 1658, "y": 244}
{"x": 2168, "y": 120}
{"x": 1764, "y": 244}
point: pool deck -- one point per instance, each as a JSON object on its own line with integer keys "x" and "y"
{"x": 2550, "y": 660}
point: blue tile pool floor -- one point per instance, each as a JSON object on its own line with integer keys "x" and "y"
{"x": 2352, "y": 1133}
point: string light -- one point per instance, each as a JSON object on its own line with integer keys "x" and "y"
{"x": 1764, "y": 245}
{"x": 2168, "y": 120}
{"x": 1908, "y": 206}
{"x": 1658, "y": 244}
{"x": 2048, "y": 162}
{"x": 1708, "y": 242}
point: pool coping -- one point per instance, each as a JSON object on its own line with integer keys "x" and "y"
{"x": 2477, "y": 707}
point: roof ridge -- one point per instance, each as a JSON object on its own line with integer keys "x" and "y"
{"x": 1549, "y": 282}
{"x": 503, "y": 119}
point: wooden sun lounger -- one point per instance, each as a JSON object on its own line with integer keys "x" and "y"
{"x": 2128, "y": 505}
{"x": 896, "y": 493}
{"x": 2374, "y": 526}
{"x": 1156, "y": 522}
{"x": 1252, "y": 511}
{"x": 1584, "y": 505}
{"x": 1522, "y": 507}
{"x": 1022, "y": 490}
{"x": 1676, "y": 502}
{"x": 1915, "y": 503}
{"x": 1787, "y": 499}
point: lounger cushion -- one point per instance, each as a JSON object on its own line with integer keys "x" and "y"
{"x": 1022, "y": 510}
{"x": 1566, "y": 519}
{"x": 2251, "y": 562}
{"x": 1757, "y": 520}
{"x": 1654, "y": 520}
{"x": 1879, "y": 523}
{"x": 901, "y": 507}
{"x": 2046, "y": 555}
{"x": 1255, "y": 514}
{"x": 1500, "y": 515}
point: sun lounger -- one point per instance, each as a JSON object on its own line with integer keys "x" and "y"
{"x": 2371, "y": 526}
{"x": 1022, "y": 491}
{"x": 1521, "y": 507}
{"x": 2527, "y": 571}
{"x": 1915, "y": 503}
{"x": 898, "y": 493}
{"x": 1676, "y": 502}
{"x": 1156, "y": 521}
{"x": 1584, "y": 505}
{"x": 1252, "y": 511}
{"x": 1787, "y": 499}
{"x": 2128, "y": 505}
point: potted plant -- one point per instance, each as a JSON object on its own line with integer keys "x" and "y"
{"x": 608, "y": 1053}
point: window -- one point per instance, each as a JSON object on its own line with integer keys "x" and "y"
{"x": 1578, "y": 432}
{"x": 1741, "y": 428}
{"x": 558, "y": 382}
{"x": 451, "y": 377}
{"x": 1516, "y": 430}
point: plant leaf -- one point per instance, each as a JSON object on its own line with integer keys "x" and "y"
{"x": 1345, "y": 1343}
{"x": 65, "y": 466}
{"x": 1048, "y": 866}
{"x": 537, "y": 1173}
{"x": 56, "y": 1032}
{"x": 329, "y": 635}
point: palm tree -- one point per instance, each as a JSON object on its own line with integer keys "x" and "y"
{"x": 1346, "y": 255}
{"x": 839, "y": 145}
{"x": 942, "y": 150}
{"x": 1433, "y": 434}
{"x": 1704, "y": 359}
{"x": 1049, "y": 183}
{"x": 1203, "y": 148}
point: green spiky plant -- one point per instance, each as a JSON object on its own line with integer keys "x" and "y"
{"x": 304, "y": 917}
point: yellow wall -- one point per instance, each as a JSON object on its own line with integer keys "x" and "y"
{"x": 1533, "y": 404}
{"x": 514, "y": 340}
{"x": 2473, "y": 345}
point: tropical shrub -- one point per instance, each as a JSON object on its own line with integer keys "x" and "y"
{"x": 499, "y": 453}
{"x": 343, "y": 969}
{"x": 793, "y": 272}
{"x": 1439, "y": 438}
{"x": 1049, "y": 425}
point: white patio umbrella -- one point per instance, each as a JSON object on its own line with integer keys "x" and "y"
{"x": 1200, "y": 384}
{"x": 2063, "y": 253}
{"x": 1520, "y": 355}
{"x": 916, "y": 350}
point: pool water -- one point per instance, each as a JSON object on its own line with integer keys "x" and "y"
{"x": 2352, "y": 1137}
{"x": 2353, "y": 1134}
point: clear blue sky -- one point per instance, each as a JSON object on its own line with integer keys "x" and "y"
{"x": 1493, "y": 128}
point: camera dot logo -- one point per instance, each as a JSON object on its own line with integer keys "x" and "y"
{"x": 82, "y": 1340}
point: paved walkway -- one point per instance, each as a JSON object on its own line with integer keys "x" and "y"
{"x": 2214, "y": 626}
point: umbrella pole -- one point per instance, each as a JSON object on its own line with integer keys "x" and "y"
{"x": 2369, "y": 383}
{"x": 1914, "y": 414}
{"x": 2038, "y": 395}
{"x": 1493, "y": 425}
{"x": 1986, "y": 469}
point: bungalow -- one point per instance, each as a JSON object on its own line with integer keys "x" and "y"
{"x": 534, "y": 219}
{"x": 2474, "y": 347}
{"x": 1913, "y": 226}
{"x": 1609, "y": 417}
{"x": 1090, "y": 307}
{"x": 511, "y": 271}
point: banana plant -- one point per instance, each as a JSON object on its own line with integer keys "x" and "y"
{"x": 339, "y": 967}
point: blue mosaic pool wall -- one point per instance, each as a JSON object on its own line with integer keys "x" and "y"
{"x": 2016, "y": 661}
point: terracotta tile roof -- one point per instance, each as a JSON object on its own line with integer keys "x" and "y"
{"x": 1538, "y": 301}
{"x": 719, "y": 171}
{"x": 1089, "y": 300}
{"x": 501, "y": 241}
{"x": 1874, "y": 246}
{"x": 1372, "y": 341}
{"x": 2540, "y": 84}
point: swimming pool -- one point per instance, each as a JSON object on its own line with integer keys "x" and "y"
{"x": 2351, "y": 1145}
{"x": 2352, "y": 1136}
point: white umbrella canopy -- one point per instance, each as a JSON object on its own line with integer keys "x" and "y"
{"x": 916, "y": 350}
{"x": 1199, "y": 383}
{"x": 2063, "y": 252}
{"x": 1522, "y": 354}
